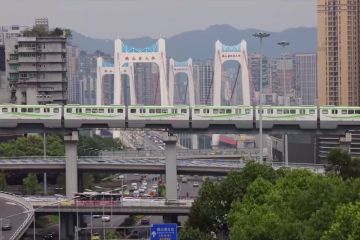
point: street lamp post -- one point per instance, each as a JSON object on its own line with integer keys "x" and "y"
{"x": 261, "y": 35}
{"x": 284, "y": 44}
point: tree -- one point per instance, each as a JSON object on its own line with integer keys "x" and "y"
{"x": 2, "y": 181}
{"x": 90, "y": 146}
{"x": 192, "y": 234}
{"x": 299, "y": 205}
{"x": 210, "y": 210}
{"x": 31, "y": 184}
{"x": 88, "y": 180}
{"x": 341, "y": 162}
{"x": 346, "y": 223}
{"x": 33, "y": 146}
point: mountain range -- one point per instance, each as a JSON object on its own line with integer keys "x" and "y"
{"x": 200, "y": 44}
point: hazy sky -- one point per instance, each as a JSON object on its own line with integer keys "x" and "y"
{"x": 137, "y": 18}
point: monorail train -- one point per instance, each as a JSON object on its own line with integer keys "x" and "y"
{"x": 178, "y": 117}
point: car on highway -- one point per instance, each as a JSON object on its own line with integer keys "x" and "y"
{"x": 96, "y": 216}
{"x": 95, "y": 236}
{"x": 195, "y": 184}
{"x": 48, "y": 236}
{"x": 184, "y": 179}
{"x": 145, "y": 221}
{"x": 105, "y": 218}
{"x": 6, "y": 225}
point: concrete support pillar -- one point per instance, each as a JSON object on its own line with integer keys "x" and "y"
{"x": 71, "y": 168}
{"x": 67, "y": 226}
{"x": 170, "y": 167}
{"x": 194, "y": 141}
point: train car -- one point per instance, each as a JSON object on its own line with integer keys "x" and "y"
{"x": 47, "y": 115}
{"x": 205, "y": 116}
{"x": 76, "y": 116}
{"x": 175, "y": 116}
{"x": 97, "y": 199}
{"x": 305, "y": 117}
{"x": 331, "y": 117}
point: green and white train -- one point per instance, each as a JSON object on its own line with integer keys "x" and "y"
{"x": 178, "y": 117}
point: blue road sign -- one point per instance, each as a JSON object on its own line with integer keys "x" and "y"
{"x": 167, "y": 231}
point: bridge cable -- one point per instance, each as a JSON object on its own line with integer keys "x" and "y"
{"x": 233, "y": 89}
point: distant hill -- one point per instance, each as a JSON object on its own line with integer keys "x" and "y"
{"x": 200, "y": 44}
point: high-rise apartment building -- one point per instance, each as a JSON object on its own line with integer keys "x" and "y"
{"x": 11, "y": 32}
{"x": 73, "y": 87}
{"x": 306, "y": 78}
{"x": 37, "y": 70}
{"x": 147, "y": 83}
{"x": 203, "y": 81}
{"x": 338, "y": 52}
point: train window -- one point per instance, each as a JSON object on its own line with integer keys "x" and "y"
{"x": 88, "y": 110}
{"x": 30, "y": 110}
{"x": 262, "y": 110}
{"x": 158, "y": 110}
{"x": 279, "y": 111}
{"x": 69, "y": 110}
{"x": 269, "y": 111}
{"x": 357, "y": 111}
{"x": 94, "y": 110}
{"x": 351, "y": 112}
{"x": 46, "y": 110}
{"x": 292, "y": 111}
{"x": 334, "y": 111}
{"x": 37, "y": 110}
{"x": 286, "y": 111}
{"x": 206, "y": 111}
{"x": 238, "y": 111}
{"x": 215, "y": 111}
{"x": 228, "y": 110}
{"x": 152, "y": 111}
{"x": 343, "y": 111}
{"x": 56, "y": 110}
{"x": 164, "y": 111}
{"x": 302, "y": 111}
{"x": 247, "y": 111}
{"x": 142, "y": 110}
{"x": 222, "y": 111}
{"x": 133, "y": 110}
{"x": 324, "y": 111}
{"x": 197, "y": 111}
{"x": 120, "y": 110}
{"x": 4, "y": 110}
{"x": 174, "y": 111}
{"x": 110, "y": 110}
{"x": 312, "y": 111}
{"x": 101, "y": 110}
{"x": 23, "y": 109}
{"x": 183, "y": 110}
{"x": 14, "y": 110}
{"x": 78, "y": 110}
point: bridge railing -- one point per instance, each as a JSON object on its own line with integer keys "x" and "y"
{"x": 29, "y": 211}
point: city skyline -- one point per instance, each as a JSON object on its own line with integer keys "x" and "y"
{"x": 112, "y": 18}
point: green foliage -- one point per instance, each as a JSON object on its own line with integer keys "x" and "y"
{"x": 89, "y": 180}
{"x": 210, "y": 210}
{"x": 33, "y": 146}
{"x": 112, "y": 234}
{"x": 299, "y": 205}
{"x": 343, "y": 164}
{"x": 90, "y": 146}
{"x": 162, "y": 191}
{"x": 192, "y": 234}
{"x": 42, "y": 31}
{"x": 31, "y": 184}
{"x": 346, "y": 223}
{"x": 2, "y": 181}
